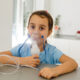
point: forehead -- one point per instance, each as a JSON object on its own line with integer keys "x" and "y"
{"x": 39, "y": 20}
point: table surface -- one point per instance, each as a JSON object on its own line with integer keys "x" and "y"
{"x": 25, "y": 73}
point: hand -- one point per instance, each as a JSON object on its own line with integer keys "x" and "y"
{"x": 48, "y": 73}
{"x": 31, "y": 60}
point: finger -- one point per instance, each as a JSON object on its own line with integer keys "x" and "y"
{"x": 37, "y": 60}
{"x": 46, "y": 75}
{"x": 33, "y": 65}
{"x": 36, "y": 56}
{"x": 49, "y": 77}
{"x": 41, "y": 71}
{"x": 36, "y": 63}
{"x": 43, "y": 74}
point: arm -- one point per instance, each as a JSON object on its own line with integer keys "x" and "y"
{"x": 6, "y": 52}
{"x": 6, "y": 59}
{"x": 21, "y": 60}
{"x": 68, "y": 65}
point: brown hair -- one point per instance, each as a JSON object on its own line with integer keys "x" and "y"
{"x": 42, "y": 14}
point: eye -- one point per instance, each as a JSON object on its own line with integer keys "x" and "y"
{"x": 42, "y": 28}
{"x": 32, "y": 27}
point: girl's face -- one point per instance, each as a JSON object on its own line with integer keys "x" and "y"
{"x": 39, "y": 26}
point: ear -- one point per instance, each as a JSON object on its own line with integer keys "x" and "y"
{"x": 50, "y": 31}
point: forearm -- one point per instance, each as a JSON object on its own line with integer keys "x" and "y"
{"x": 66, "y": 67}
{"x": 6, "y": 59}
{"x": 6, "y": 53}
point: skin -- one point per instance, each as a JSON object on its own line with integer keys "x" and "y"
{"x": 22, "y": 60}
{"x": 41, "y": 25}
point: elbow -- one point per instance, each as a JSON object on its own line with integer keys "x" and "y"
{"x": 75, "y": 64}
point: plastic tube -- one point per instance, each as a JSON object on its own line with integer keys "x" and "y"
{"x": 13, "y": 68}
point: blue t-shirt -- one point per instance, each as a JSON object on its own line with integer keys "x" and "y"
{"x": 50, "y": 55}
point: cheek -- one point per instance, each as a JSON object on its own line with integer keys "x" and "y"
{"x": 29, "y": 31}
{"x": 45, "y": 34}
{"x": 45, "y": 37}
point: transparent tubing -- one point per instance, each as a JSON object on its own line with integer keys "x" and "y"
{"x": 10, "y": 67}
{"x": 33, "y": 40}
{"x": 29, "y": 41}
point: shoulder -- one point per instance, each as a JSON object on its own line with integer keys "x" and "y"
{"x": 16, "y": 47}
{"x": 50, "y": 47}
{"x": 15, "y": 50}
{"x": 53, "y": 50}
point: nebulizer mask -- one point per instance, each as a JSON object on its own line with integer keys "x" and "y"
{"x": 36, "y": 42}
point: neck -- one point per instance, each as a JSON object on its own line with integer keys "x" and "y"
{"x": 41, "y": 47}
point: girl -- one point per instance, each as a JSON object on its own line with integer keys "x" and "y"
{"x": 41, "y": 24}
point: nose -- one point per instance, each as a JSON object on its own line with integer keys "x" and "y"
{"x": 37, "y": 30}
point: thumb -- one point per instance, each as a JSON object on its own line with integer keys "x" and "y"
{"x": 35, "y": 56}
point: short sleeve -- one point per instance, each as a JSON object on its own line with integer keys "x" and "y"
{"x": 15, "y": 50}
{"x": 56, "y": 55}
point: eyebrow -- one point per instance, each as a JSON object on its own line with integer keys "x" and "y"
{"x": 40, "y": 24}
{"x": 31, "y": 23}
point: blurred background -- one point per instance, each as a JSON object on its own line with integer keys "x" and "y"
{"x": 14, "y": 15}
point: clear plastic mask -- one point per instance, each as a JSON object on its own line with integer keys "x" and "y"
{"x": 37, "y": 37}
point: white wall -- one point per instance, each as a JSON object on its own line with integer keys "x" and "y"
{"x": 6, "y": 12}
{"x": 67, "y": 46}
{"x": 70, "y": 15}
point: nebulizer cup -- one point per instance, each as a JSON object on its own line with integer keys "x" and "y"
{"x": 7, "y": 68}
{"x": 36, "y": 42}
